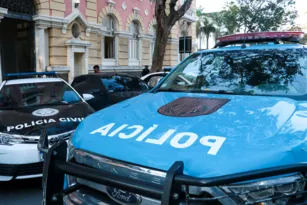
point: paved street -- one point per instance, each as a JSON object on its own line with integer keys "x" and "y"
{"x": 21, "y": 192}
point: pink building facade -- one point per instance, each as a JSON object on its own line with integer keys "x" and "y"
{"x": 71, "y": 36}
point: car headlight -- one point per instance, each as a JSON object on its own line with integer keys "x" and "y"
{"x": 264, "y": 191}
{"x": 9, "y": 139}
{"x": 71, "y": 180}
{"x": 70, "y": 148}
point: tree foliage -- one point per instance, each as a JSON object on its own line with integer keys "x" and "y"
{"x": 230, "y": 18}
{"x": 263, "y": 15}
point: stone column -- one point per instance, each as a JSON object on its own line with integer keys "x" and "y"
{"x": 40, "y": 44}
{"x": 140, "y": 51}
{"x": 70, "y": 64}
{"x": 116, "y": 51}
{"x": 86, "y": 60}
{"x": 102, "y": 49}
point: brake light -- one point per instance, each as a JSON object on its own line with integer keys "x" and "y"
{"x": 262, "y": 35}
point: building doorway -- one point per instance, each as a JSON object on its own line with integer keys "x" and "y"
{"x": 79, "y": 64}
{"x": 17, "y": 37}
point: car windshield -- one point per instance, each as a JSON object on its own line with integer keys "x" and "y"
{"x": 252, "y": 72}
{"x": 37, "y": 94}
{"x": 123, "y": 83}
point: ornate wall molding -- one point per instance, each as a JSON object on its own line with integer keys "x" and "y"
{"x": 135, "y": 17}
{"x": 152, "y": 23}
{"x": 110, "y": 10}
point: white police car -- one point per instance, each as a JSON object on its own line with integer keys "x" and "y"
{"x": 26, "y": 106}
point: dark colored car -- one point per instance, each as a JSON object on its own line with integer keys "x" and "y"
{"x": 109, "y": 88}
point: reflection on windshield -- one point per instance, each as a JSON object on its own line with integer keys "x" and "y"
{"x": 123, "y": 83}
{"x": 37, "y": 94}
{"x": 255, "y": 72}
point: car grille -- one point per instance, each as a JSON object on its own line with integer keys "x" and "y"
{"x": 21, "y": 170}
{"x": 52, "y": 139}
{"x": 156, "y": 177}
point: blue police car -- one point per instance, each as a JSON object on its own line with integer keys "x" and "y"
{"x": 236, "y": 134}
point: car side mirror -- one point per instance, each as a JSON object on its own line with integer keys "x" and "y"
{"x": 88, "y": 97}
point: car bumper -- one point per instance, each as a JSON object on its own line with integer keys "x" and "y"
{"x": 88, "y": 183}
{"x": 88, "y": 196}
{"x": 20, "y": 161}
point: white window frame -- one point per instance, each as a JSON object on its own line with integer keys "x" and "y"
{"x": 110, "y": 61}
{"x": 134, "y": 50}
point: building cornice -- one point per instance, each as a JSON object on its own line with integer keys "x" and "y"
{"x": 77, "y": 42}
{"x": 190, "y": 16}
{"x": 125, "y": 34}
{"x": 146, "y": 36}
{"x": 173, "y": 40}
{"x": 44, "y": 21}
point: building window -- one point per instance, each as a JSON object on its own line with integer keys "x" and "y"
{"x": 134, "y": 42}
{"x": 75, "y": 30}
{"x": 109, "y": 47}
{"x": 109, "y": 41}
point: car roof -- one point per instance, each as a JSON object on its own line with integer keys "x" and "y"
{"x": 109, "y": 74}
{"x": 256, "y": 47}
{"x": 32, "y": 80}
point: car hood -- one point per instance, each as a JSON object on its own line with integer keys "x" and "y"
{"x": 56, "y": 118}
{"x": 243, "y": 134}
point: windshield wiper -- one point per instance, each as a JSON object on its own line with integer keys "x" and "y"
{"x": 10, "y": 108}
{"x": 50, "y": 104}
{"x": 222, "y": 92}
{"x": 169, "y": 90}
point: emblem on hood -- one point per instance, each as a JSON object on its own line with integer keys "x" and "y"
{"x": 192, "y": 106}
{"x": 45, "y": 112}
{"x": 123, "y": 197}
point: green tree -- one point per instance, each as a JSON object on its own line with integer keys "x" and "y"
{"x": 166, "y": 18}
{"x": 217, "y": 21}
{"x": 265, "y": 15}
{"x": 207, "y": 28}
{"x": 230, "y": 18}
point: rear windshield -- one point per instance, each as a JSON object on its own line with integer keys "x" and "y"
{"x": 36, "y": 94}
{"x": 251, "y": 72}
{"x": 123, "y": 83}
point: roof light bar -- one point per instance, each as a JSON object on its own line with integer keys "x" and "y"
{"x": 53, "y": 73}
{"x": 262, "y": 35}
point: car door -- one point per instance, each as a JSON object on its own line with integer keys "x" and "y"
{"x": 91, "y": 84}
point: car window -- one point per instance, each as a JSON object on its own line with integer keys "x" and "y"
{"x": 256, "y": 72}
{"x": 89, "y": 85}
{"x": 123, "y": 83}
{"x": 154, "y": 75}
{"x": 78, "y": 80}
{"x": 36, "y": 94}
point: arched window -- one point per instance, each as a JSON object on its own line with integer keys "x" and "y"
{"x": 134, "y": 42}
{"x": 109, "y": 40}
